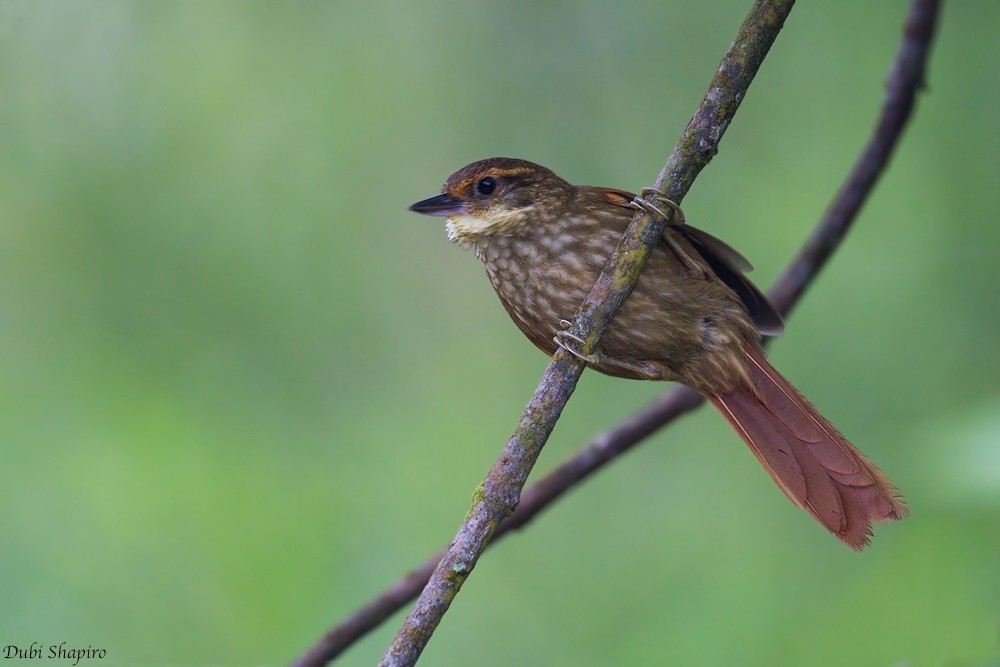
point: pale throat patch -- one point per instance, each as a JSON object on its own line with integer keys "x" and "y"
{"x": 465, "y": 229}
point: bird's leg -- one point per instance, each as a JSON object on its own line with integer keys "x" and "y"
{"x": 647, "y": 201}
{"x": 568, "y": 342}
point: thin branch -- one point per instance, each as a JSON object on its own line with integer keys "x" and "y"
{"x": 906, "y": 78}
{"x": 603, "y": 449}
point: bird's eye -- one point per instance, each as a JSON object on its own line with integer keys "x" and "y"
{"x": 486, "y": 186}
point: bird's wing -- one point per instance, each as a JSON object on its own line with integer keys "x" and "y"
{"x": 727, "y": 263}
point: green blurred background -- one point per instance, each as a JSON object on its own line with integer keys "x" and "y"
{"x": 242, "y": 388}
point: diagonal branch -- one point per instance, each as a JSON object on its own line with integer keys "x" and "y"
{"x": 905, "y": 79}
{"x": 498, "y": 496}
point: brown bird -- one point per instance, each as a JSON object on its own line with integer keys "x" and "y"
{"x": 693, "y": 318}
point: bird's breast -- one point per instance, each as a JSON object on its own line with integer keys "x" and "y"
{"x": 541, "y": 282}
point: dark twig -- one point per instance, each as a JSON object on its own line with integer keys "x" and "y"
{"x": 906, "y": 78}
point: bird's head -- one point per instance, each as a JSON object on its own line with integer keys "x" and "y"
{"x": 497, "y": 197}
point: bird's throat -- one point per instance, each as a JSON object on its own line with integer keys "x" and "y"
{"x": 466, "y": 229}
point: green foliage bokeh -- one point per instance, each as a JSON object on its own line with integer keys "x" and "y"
{"x": 242, "y": 388}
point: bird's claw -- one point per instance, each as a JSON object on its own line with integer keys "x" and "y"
{"x": 647, "y": 201}
{"x": 568, "y": 342}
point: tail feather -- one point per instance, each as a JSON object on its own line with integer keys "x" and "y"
{"x": 807, "y": 457}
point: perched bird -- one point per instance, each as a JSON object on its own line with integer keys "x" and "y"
{"x": 693, "y": 318}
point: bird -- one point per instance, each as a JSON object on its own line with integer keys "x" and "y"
{"x": 693, "y": 317}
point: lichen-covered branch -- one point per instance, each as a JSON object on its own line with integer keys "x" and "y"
{"x": 700, "y": 141}
{"x": 697, "y": 145}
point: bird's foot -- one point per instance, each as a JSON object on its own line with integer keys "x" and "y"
{"x": 571, "y": 343}
{"x": 650, "y": 200}
{"x": 635, "y": 369}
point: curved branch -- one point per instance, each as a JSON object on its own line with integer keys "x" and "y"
{"x": 906, "y": 78}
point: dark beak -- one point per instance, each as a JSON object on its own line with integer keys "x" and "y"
{"x": 441, "y": 205}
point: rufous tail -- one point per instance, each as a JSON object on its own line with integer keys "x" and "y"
{"x": 807, "y": 457}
